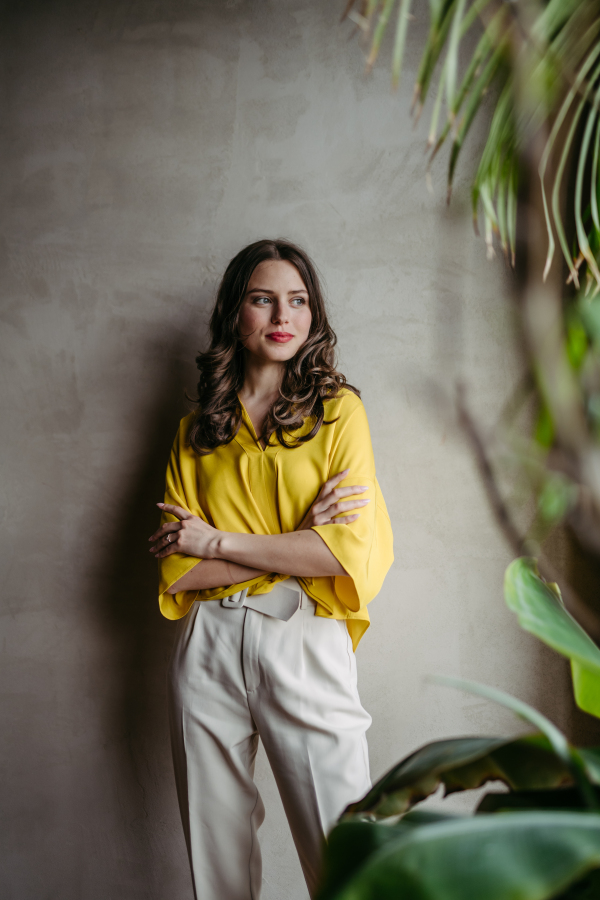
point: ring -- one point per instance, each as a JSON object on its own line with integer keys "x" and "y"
{"x": 169, "y": 538}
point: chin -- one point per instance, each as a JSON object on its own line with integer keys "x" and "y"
{"x": 279, "y": 352}
{"x": 282, "y": 355}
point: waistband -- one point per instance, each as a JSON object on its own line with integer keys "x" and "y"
{"x": 281, "y": 602}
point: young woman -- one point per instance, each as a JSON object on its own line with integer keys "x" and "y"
{"x": 274, "y": 537}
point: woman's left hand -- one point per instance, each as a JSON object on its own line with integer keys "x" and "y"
{"x": 190, "y": 535}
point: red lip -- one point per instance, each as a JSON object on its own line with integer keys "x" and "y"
{"x": 281, "y": 337}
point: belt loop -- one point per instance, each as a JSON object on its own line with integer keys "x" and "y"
{"x": 306, "y": 602}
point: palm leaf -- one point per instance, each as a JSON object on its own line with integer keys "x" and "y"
{"x": 566, "y": 149}
{"x": 564, "y": 34}
{"x": 556, "y": 127}
{"x": 452, "y": 56}
{"x": 438, "y": 31}
{"x": 594, "y": 180}
{"x": 473, "y": 104}
{"x": 384, "y": 16}
{"x": 400, "y": 41}
{"x": 584, "y": 245}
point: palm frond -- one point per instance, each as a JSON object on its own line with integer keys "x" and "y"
{"x": 565, "y": 36}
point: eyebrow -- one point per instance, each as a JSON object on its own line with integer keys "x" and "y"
{"x": 268, "y": 291}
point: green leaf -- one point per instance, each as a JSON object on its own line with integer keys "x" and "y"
{"x": 438, "y": 31}
{"x": 464, "y": 764}
{"x": 475, "y": 98}
{"x": 481, "y": 52}
{"x": 380, "y": 28}
{"x": 511, "y": 211}
{"x": 349, "y": 847}
{"x": 586, "y": 687}
{"x": 501, "y": 206}
{"x": 558, "y": 122}
{"x": 594, "y": 179}
{"x": 591, "y": 758}
{"x": 582, "y": 162}
{"x": 524, "y": 855}
{"x": 400, "y": 40}
{"x": 540, "y": 611}
{"x": 350, "y": 844}
{"x": 568, "y": 754}
{"x": 588, "y": 888}
{"x": 558, "y": 798}
{"x": 452, "y": 56}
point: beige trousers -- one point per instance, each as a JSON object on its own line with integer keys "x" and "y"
{"x": 237, "y": 675}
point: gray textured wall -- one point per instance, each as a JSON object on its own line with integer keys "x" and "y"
{"x": 143, "y": 144}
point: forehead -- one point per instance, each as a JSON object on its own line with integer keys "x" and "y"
{"x": 276, "y": 274}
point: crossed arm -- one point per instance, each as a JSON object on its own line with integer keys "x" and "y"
{"x": 230, "y": 558}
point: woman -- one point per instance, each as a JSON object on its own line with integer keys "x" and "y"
{"x": 273, "y": 513}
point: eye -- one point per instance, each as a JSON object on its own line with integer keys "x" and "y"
{"x": 299, "y": 301}
{"x": 260, "y": 300}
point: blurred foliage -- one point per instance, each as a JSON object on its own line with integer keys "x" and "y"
{"x": 531, "y": 69}
{"x": 539, "y": 840}
{"x": 471, "y": 47}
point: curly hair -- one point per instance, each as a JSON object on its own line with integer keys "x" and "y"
{"x": 310, "y": 377}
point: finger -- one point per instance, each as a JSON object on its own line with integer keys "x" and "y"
{"x": 345, "y": 520}
{"x": 167, "y": 540}
{"x": 349, "y": 491}
{"x": 325, "y": 501}
{"x": 175, "y": 510}
{"x": 164, "y": 529}
{"x": 167, "y": 551}
{"x": 335, "y": 479}
{"x": 346, "y": 505}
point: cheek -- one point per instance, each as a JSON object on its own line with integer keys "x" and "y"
{"x": 250, "y": 319}
{"x": 303, "y": 321}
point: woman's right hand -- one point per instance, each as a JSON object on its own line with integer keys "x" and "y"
{"x": 327, "y": 507}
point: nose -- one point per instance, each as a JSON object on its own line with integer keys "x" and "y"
{"x": 280, "y": 314}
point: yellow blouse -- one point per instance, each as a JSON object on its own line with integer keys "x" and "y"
{"x": 240, "y": 487}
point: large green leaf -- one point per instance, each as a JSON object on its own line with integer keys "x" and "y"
{"x": 350, "y": 844}
{"x": 540, "y": 611}
{"x": 564, "y": 750}
{"x": 524, "y": 855}
{"x": 460, "y": 764}
{"x": 558, "y": 798}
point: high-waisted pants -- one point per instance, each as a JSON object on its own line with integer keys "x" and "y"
{"x": 235, "y": 675}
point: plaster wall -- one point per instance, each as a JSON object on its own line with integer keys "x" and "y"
{"x": 143, "y": 144}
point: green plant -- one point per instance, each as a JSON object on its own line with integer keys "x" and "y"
{"x": 530, "y": 69}
{"x": 561, "y": 39}
{"x": 538, "y": 840}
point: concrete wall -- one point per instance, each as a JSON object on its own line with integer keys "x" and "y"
{"x": 143, "y": 144}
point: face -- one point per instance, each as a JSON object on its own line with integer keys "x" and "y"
{"x": 275, "y": 314}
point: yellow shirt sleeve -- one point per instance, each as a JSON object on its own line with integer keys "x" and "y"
{"x": 364, "y": 547}
{"x": 179, "y": 491}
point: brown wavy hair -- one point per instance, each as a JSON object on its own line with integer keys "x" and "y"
{"x": 309, "y": 379}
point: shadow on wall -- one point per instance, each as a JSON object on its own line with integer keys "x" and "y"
{"x": 140, "y": 637}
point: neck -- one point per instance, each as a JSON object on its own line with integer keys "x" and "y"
{"x": 262, "y": 379}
